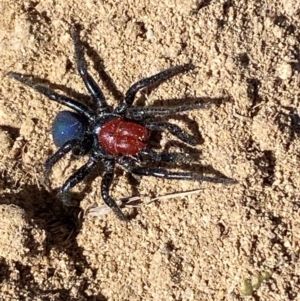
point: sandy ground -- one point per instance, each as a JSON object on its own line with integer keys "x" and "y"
{"x": 238, "y": 242}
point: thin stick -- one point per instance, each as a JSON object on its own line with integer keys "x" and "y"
{"x": 94, "y": 210}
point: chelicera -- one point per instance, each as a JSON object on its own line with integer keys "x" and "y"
{"x": 119, "y": 136}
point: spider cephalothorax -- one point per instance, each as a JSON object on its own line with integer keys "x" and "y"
{"x": 113, "y": 136}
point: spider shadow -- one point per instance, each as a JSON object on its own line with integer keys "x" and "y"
{"x": 191, "y": 124}
{"x": 14, "y": 132}
{"x": 61, "y": 294}
{"x": 4, "y": 270}
{"x": 46, "y": 212}
{"x": 195, "y": 156}
{"x": 207, "y": 101}
{"x": 290, "y": 118}
{"x": 83, "y": 98}
{"x": 98, "y": 65}
{"x": 199, "y": 5}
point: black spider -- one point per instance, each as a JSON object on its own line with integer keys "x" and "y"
{"x": 118, "y": 136}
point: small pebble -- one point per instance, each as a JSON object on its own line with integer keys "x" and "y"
{"x": 284, "y": 70}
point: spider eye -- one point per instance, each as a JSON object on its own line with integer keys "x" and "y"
{"x": 67, "y": 126}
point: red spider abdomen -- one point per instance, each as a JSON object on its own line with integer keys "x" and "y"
{"x": 121, "y": 137}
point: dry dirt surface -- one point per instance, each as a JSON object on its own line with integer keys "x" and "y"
{"x": 224, "y": 242}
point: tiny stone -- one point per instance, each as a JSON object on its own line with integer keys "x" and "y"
{"x": 149, "y": 34}
{"x": 284, "y": 70}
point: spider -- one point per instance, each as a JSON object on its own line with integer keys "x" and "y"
{"x": 119, "y": 136}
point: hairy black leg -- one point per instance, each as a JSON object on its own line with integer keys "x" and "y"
{"x": 166, "y": 157}
{"x": 62, "y": 99}
{"x": 130, "y": 94}
{"x": 140, "y": 113}
{"x": 105, "y": 186}
{"x": 89, "y": 82}
{"x": 62, "y": 151}
{"x": 173, "y": 129}
{"x": 76, "y": 178}
{"x": 163, "y": 173}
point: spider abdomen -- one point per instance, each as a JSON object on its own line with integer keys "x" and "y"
{"x": 67, "y": 126}
{"x": 121, "y": 137}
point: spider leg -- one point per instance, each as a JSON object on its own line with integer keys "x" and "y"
{"x": 163, "y": 75}
{"x": 163, "y": 173}
{"x": 62, "y": 151}
{"x": 166, "y": 157}
{"x": 173, "y": 129}
{"x": 88, "y": 80}
{"x": 105, "y": 186}
{"x": 76, "y": 178}
{"x": 62, "y": 99}
{"x": 140, "y": 113}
